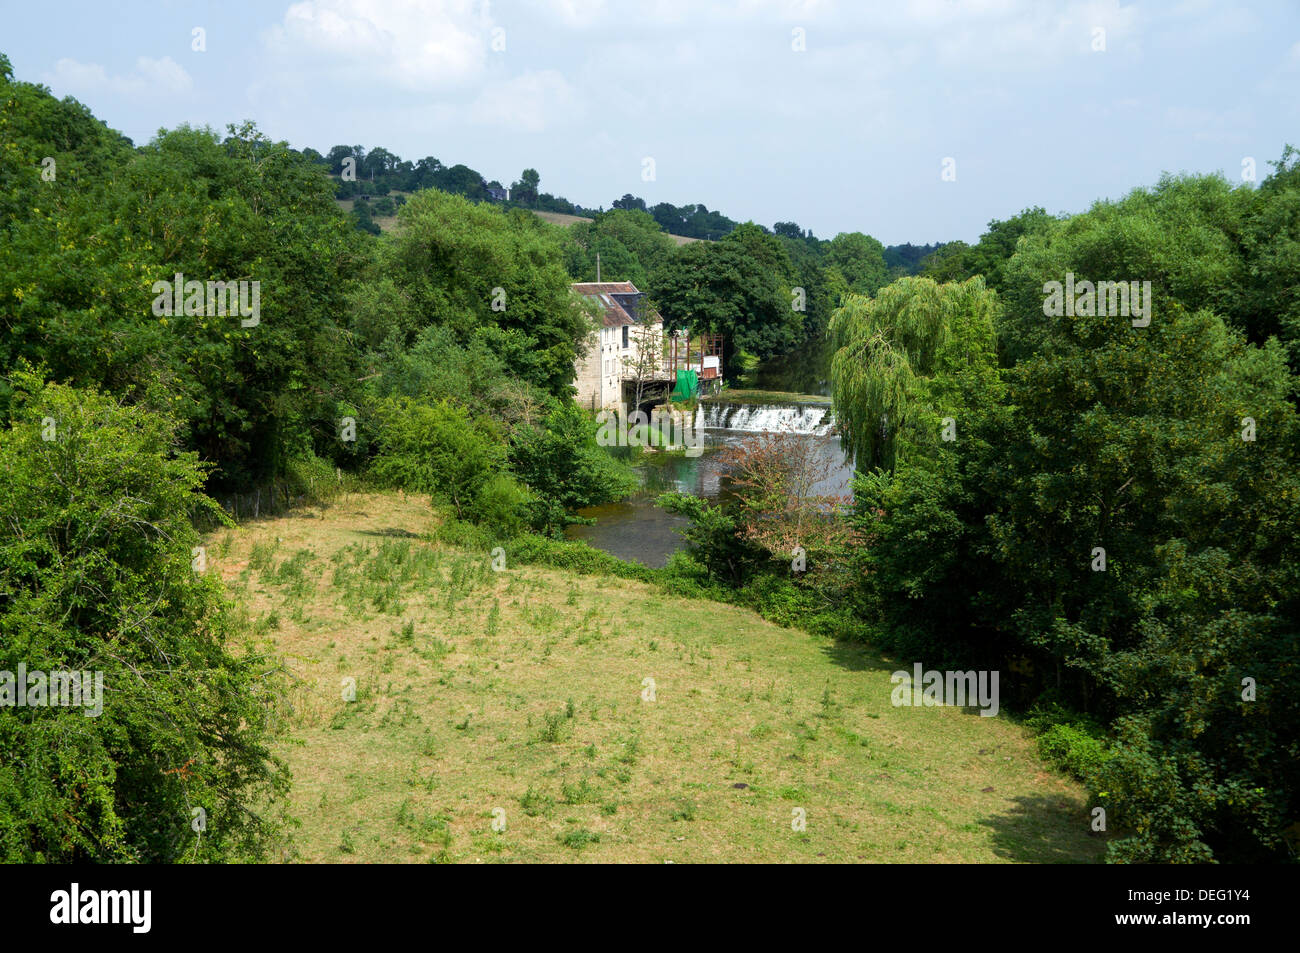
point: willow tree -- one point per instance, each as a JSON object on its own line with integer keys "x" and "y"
{"x": 915, "y": 353}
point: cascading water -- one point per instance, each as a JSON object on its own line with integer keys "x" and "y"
{"x": 637, "y": 529}
{"x": 812, "y": 419}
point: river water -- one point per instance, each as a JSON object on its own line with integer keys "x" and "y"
{"x": 636, "y": 529}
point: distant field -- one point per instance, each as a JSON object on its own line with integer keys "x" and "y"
{"x": 557, "y": 218}
{"x": 560, "y": 218}
{"x": 385, "y": 222}
{"x": 517, "y": 696}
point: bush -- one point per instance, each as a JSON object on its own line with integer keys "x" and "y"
{"x": 96, "y": 576}
{"x": 463, "y": 534}
{"x": 574, "y": 556}
{"x": 562, "y": 462}
{"x": 1072, "y": 748}
{"x": 502, "y": 505}
{"x": 437, "y": 449}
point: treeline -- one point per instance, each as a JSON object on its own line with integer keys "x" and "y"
{"x": 377, "y": 172}
{"x": 1097, "y": 497}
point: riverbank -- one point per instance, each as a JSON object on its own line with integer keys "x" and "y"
{"x": 753, "y": 396}
{"x": 528, "y": 691}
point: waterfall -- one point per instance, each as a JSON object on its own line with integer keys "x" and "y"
{"x": 811, "y": 419}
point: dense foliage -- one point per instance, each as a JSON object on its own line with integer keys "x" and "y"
{"x": 1116, "y": 517}
{"x": 98, "y": 575}
{"x": 438, "y": 358}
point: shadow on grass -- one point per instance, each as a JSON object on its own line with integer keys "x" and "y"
{"x": 1045, "y": 830}
{"x": 857, "y": 657}
{"x": 391, "y": 532}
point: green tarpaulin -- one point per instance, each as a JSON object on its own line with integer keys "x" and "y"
{"x": 688, "y": 385}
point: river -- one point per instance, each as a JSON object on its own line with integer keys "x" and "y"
{"x": 636, "y": 529}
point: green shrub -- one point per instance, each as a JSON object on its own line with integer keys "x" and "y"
{"x": 463, "y": 534}
{"x": 96, "y": 576}
{"x": 436, "y": 448}
{"x": 574, "y": 556}
{"x": 1071, "y": 748}
{"x": 562, "y": 462}
{"x": 502, "y": 505}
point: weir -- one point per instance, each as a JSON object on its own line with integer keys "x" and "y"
{"x": 812, "y": 419}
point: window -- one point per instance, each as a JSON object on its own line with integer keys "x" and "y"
{"x": 625, "y": 327}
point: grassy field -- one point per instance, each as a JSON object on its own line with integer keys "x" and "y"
{"x": 559, "y": 218}
{"x": 522, "y": 696}
{"x": 386, "y": 223}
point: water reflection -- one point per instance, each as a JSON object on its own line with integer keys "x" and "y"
{"x": 805, "y": 371}
{"x": 636, "y": 529}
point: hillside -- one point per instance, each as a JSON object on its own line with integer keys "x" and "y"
{"x": 522, "y": 690}
{"x": 559, "y": 218}
{"x": 388, "y": 222}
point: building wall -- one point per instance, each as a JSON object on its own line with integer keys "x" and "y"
{"x": 587, "y": 377}
{"x": 599, "y": 373}
{"x": 596, "y": 374}
{"x": 629, "y": 357}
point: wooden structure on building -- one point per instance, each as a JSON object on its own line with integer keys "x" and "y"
{"x": 707, "y": 362}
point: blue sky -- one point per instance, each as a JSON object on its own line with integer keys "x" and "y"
{"x": 849, "y": 133}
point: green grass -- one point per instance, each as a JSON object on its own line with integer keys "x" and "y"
{"x": 742, "y": 396}
{"x": 521, "y": 691}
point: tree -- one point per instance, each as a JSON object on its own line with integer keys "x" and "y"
{"x": 379, "y": 162}
{"x": 98, "y": 574}
{"x": 461, "y": 180}
{"x": 773, "y": 478}
{"x": 1270, "y": 237}
{"x": 477, "y": 270}
{"x": 630, "y": 244}
{"x": 241, "y": 208}
{"x": 562, "y": 463}
{"x": 765, "y": 249}
{"x": 720, "y": 288}
{"x": 958, "y": 261}
{"x": 860, "y": 259}
{"x": 524, "y": 192}
{"x": 1132, "y": 531}
{"x": 645, "y": 359}
{"x": 915, "y": 353}
{"x": 335, "y": 158}
{"x": 629, "y": 202}
{"x": 436, "y": 448}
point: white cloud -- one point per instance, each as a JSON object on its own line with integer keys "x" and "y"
{"x": 576, "y": 12}
{"x": 418, "y": 45}
{"x": 529, "y": 103}
{"x": 165, "y": 74}
{"x": 150, "y": 78}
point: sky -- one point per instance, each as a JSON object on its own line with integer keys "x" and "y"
{"x": 910, "y": 120}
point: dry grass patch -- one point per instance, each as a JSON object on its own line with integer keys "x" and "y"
{"x": 526, "y": 692}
